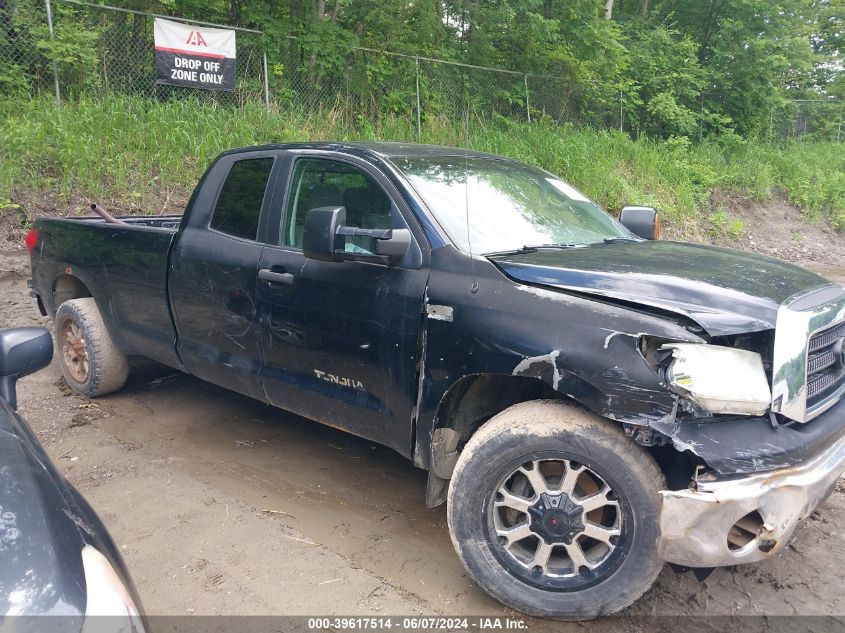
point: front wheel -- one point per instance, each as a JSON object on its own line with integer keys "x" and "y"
{"x": 555, "y": 513}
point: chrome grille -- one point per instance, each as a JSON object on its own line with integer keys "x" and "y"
{"x": 808, "y": 338}
{"x": 821, "y": 383}
{"x": 827, "y": 337}
{"x": 825, "y": 363}
{"x": 820, "y": 361}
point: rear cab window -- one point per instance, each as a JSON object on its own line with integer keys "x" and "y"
{"x": 238, "y": 209}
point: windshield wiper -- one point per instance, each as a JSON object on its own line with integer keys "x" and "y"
{"x": 532, "y": 248}
{"x": 620, "y": 240}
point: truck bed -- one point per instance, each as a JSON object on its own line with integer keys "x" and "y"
{"x": 123, "y": 266}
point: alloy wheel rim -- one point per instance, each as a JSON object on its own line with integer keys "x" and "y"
{"x": 74, "y": 351}
{"x": 556, "y": 519}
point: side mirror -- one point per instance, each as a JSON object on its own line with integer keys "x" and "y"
{"x": 320, "y": 239}
{"x": 23, "y": 351}
{"x": 324, "y": 238}
{"x": 641, "y": 221}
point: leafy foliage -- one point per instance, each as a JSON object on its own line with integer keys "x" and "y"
{"x": 665, "y": 81}
{"x": 673, "y": 67}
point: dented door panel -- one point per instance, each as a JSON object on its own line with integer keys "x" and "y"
{"x": 213, "y": 302}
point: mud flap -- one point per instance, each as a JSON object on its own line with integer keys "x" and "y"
{"x": 436, "y": 490}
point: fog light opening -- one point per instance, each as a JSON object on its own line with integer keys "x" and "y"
{"x": 745, "y": 531}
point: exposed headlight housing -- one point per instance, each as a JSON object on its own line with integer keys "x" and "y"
{"x": 719, "y": 379}
{"x": 107, "y": 596}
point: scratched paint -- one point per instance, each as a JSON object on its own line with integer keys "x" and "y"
{"x": 549, "y": 360}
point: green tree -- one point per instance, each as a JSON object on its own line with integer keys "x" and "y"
{"x": 665, "y": 81}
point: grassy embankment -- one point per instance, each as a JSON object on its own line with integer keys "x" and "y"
{"x": 142, "y": 156}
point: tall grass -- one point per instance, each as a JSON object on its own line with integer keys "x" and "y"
{"x": 135, "y": 153}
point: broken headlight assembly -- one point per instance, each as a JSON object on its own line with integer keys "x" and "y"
{"x": 719, "y": 380}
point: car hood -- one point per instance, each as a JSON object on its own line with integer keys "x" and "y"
{"x": 724, "y": 291}
{"x": 40, "y": 530}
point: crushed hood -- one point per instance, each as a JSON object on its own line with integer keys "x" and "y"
{"x": 724, "y": 291}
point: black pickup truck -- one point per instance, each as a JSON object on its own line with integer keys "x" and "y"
{"x": 591, "y": 401}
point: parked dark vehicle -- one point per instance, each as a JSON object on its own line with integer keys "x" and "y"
{"x": 56, "y": 557}
{"x": 590, "y": 401}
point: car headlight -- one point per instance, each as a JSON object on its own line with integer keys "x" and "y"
{"x": 719, "y": 379}
{"x": 107, "y": 596}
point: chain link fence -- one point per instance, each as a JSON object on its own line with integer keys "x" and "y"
{"x": 76, "y": 49}
{"x": 810, "y": 118}
{"x": 372, "y": 84}
{"x": 80, "y": 49}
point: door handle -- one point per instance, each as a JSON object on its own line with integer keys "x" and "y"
{"x": 265, "y": 274}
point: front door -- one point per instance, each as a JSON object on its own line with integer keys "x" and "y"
{"x": 340, "y": 339}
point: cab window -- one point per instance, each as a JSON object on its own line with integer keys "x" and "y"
{"x": 322, "y": 183}
{"x": 238, "y": 207}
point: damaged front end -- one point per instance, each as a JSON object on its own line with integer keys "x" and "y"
{"x": 736, "y": 395}
{"x": 725, "y": 521}
{"x": 763, "y": 416}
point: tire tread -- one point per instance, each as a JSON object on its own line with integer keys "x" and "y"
{"x": 108, "y": 367}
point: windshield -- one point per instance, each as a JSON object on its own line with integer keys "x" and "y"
{"x": 494, "y": 205}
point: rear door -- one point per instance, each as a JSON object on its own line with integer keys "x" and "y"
{"x": 340, "y": 339}
{"x": 213, "y": 272}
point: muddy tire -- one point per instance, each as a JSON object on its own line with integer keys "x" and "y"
{"x": 555, "y": 513}
{"x": 91, "y": 364}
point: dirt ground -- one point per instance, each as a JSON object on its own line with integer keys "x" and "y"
{"x": 777, "y": 229}
{"x": 222, "y": 505}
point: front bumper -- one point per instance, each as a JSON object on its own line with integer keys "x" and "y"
{"x": 747, "y": 445}
{"x": 695, "y": 524}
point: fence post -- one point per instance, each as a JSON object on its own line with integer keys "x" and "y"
{"x": 621, "y": 110}
{"x": 55, "y": 67}
{"x": 527, "y": 105}
{"x": 266, "y": 81}
{"x": 700, "y": 117}
{"x": 419, "y": 114}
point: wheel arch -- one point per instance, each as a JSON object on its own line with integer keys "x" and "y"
{"x": 466, "y": 405}
{"x": 71, "y": 283}
{"x": 66, "y": 287}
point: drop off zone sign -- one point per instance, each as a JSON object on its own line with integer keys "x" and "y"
{"x": 194, "y": 57}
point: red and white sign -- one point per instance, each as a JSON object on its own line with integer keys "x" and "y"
{"x": 192, "y": 56}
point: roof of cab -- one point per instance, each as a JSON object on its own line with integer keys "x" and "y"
{"x": 383, "y": 149}
{"x": 394, "y": 150}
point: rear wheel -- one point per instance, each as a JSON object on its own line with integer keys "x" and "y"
{"x": 91, "y": 364}
{"x": 555, "y": 512}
